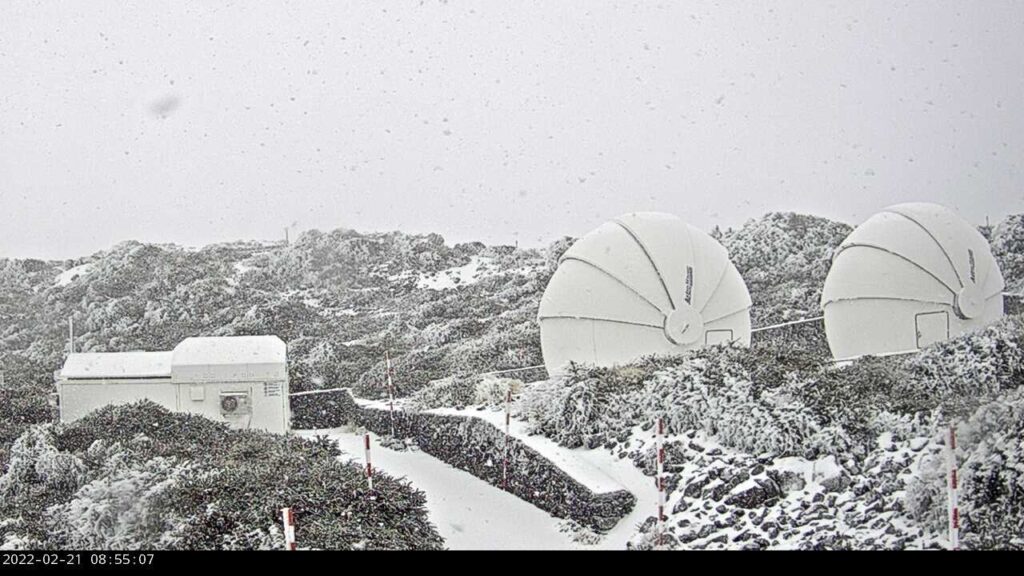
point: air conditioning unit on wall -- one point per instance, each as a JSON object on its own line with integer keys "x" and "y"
{"x": 235, "y": 404}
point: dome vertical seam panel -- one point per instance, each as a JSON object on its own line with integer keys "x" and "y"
{"x": 906, "y": 259}
{"x": 625, "y": 284}
{"x": 936, "y": 241}
{"x": 650, "y": 259}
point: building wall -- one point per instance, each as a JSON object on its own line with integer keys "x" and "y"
{"x": 79, "y": 398}
{"x": 269, "y": 403}
{"x": 269, "y": 400}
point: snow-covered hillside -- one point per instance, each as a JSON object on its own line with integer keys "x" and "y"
{"x": 767, "y": 448}
{"x": 810, "y": 455}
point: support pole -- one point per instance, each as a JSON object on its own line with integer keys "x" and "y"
{"x": 953, "y": 486}
{"x": 289, "y": 528}
{"x": 659, "y": 447}
{"x": 508, "y": 419}
{"x": 369, "y": 467}
{"x": 391, "y": 392}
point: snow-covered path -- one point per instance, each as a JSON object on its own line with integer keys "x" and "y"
{"x": 471, "y": 514}
{"x": 598, "y": 469}
{"x": 468, "y": 512}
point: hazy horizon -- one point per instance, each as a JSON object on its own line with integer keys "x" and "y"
{"x": 193, "y": 124}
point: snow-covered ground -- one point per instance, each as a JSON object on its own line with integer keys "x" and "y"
{"x": 600, "y": 470}
{"x": 461, "y": 276}
{"x": 577, "y": 463}
{"x": 469, "y": 513}
{"x": 67, "y": 276}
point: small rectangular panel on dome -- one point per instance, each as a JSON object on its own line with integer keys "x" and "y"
{"x": 738, "y": 323}
{"x": 932, "y": 327}
{"x": 715, "y": 337}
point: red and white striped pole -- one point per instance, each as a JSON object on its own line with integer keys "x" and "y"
{"x": 289, "y": 528}
{"x": 954, "y": 504}
{"x": 369, "y": 467}
{"x": 659, "y": 447}
{"x": 508, "y": 418}
{"x": 391, "y": 392}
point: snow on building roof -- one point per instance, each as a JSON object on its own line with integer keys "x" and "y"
{"x": 195, "y": 360}
{"x": 230, "y": 359}
{"x": 115, "y": 365}
{"x": 230, "y": 350}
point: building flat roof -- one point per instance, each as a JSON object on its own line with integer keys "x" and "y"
{"x": 223, "y": 359}
{"x": 229, "y": 350}
{"x": 117, "y": 365}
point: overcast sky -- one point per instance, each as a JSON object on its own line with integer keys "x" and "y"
{"x": 497, "y": 120}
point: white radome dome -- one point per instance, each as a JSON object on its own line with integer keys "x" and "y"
{"x": 909, "y": 276}
{"x": 644, "y": 283}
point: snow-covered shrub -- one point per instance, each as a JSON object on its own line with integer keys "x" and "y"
{"x": 850, "y": 396}
{"x": 24, "y": 397}
{"x": 710, "y": 390}
{"x": 926, "y": 496}
{"x": 992, "y": 491}
{"x": 1008, "y": 248}
{"x": 38, "y": 475}
{"x": 990, "y": 454}
{"x": 411, "y": 372}
{"x": 784, "y": 258}
{"x": 126, "y": 509}
{"x": 713, "y": 393}
{"x": 778, "y": 366}
{"x": 584, "y": 403}
{"x": 209, "y": 487}
{"x": 583, "y": 412}
{"x": 453, "y": 392}
{"x": 540, "y": 405}
{"x": 902, "y": 426}
{"x": 493, "y": 391}
{"x": 12, "y": 536}
{"x": 954, "y": 376}
{"x": 565, "y": 411}
{"x": 959, "y": 373}
{"x": 807, "y": 339}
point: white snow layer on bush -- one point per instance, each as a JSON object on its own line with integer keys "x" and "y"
{"x": 120, "y": 511}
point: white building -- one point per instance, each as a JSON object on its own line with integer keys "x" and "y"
{"x": 909, "y": 276}
{"x": 241, "y": 380}
{"x": 644, "y": 283}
